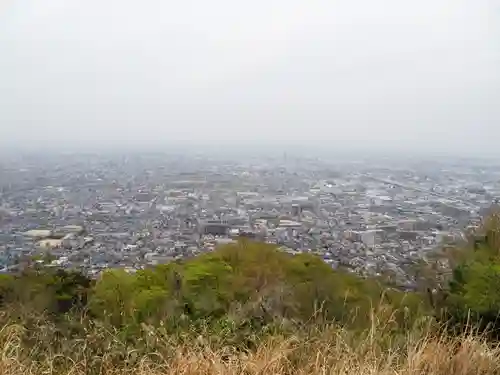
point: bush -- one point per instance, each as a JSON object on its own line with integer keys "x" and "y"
{"x": 473, "y": 295}
{"x": 247, "y": 280}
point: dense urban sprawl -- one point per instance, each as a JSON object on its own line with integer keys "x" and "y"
{"x": 371, "y": 216}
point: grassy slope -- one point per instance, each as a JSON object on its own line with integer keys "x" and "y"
{"x": 326, "y": 349}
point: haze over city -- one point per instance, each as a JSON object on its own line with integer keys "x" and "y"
{"x": 386, "y": 75}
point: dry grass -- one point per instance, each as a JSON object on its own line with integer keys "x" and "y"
{"x": 325, "y": 349}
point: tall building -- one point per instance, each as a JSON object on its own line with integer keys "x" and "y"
{"x": 296, "y": 210}
{"x": 369, "y": 238}
{"x": 214, "y": 227}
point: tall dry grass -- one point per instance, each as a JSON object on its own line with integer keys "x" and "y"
{"x": 38, "y": 348}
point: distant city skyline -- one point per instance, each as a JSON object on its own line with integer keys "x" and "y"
{"x": 96, "y": 211}
{"x": 259, "y": 148}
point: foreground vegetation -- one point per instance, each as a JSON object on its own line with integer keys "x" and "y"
{"x": 249, "y": 308}
{"x": 322, "y": 349}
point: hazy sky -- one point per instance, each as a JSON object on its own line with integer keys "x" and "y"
{"x": 378, "y": 73}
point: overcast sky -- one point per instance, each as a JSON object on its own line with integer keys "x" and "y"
{"x": 422, "y": 74}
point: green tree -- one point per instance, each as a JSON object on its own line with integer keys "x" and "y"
{"x": 112, "y": 296}
{"x": 473, "y": 295}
